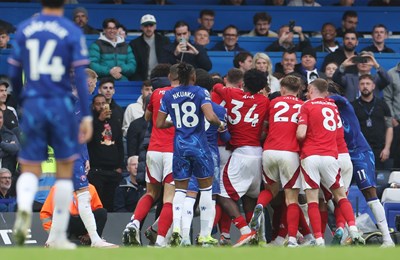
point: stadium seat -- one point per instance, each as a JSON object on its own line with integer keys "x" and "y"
{"x": 391, "y": 200}
{"x": 394, "y": 177}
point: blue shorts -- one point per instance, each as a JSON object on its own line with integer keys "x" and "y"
{"x": 48, "y": 121}
{"x": 216, "y": 189}
{"x": 364, "y": 169}
{"x": 79, "y": 177}
{"x": 197, "y": 162}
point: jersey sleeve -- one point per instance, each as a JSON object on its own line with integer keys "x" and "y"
{"x": 164, "y": 104}
{"x": 206, "y": 98}
{"x": 150, "y": 106}
{"x": 79, "y": 49}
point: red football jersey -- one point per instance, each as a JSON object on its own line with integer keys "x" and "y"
{"x": 246, "y": 115}
{"x": 161, "y": 140}
{"x": 283, "y": 118}
{"x": 321, "y": 117}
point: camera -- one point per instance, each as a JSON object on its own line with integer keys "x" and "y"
{"x": 291, "y": 26}
{"x": 360, "y": 59}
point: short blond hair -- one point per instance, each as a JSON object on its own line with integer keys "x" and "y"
{"x": 91, "y": 73}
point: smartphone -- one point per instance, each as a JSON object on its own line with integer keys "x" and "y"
{"x": 183, "y": 40}
{"x": 360, "y": 59}
{"x": 292, "y": 23}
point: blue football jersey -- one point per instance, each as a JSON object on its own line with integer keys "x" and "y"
{"x": 183, "y": 104}
{"x": 356, "y": 142}
{"x": 212, "y": 130}
{"x": 47, "y": 48}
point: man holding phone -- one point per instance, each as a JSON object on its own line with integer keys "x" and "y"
{"x": 364, "y": 63}
{"x": 285, "y": 39}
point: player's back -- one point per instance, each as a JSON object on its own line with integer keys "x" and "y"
{"x": 246, "y": 115}
{"x": 48, "y": 47}
{"x": 321, "y": 117}
{"x": 355, "y": 140}
{"x": 282, "y": 119}
{"x": 183, "y": 104}
{"x": 161, "y": 140}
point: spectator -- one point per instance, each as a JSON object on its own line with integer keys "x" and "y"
{"x": 262, "y": 62}
{"x": 136, "y": 110}
{"x": 148, "y": 47}
{"x": 375, "y": 120}
{"x": 4, "y": 39}
{"x": 10, "y": 118}
{"x": 379, "y": 35}
{"x": 303, "y": 3}
{"x": 350, "y": 42}
{"x": 8, "y": 26}
{"x": 349, "y": 22}
{"x": 182, "y": 50}
{"x": 110, "y": 56}
{"x": 107, "y": 89}
{"x": 129, "y": 191}
{"x": 201, "y": 37}
{"x": 285, "y": 40}
{"x": 81, "y": 18}
{"x": 106, "y": 152}
{"x": 329, "y": 43}
{"x": 9, "y": 146}
{"x": 76, "y": 228}
{"x": 330, "y": 69}
{"x": 8, "y": 202}
{"x": 262, "y": 23}
{"x": 206, "y": 21}
{"x": 230, "y": 38}
{"x": 159, "y": 2}
{"x": 349, "y": 81}
{"x": 391, "y": 96}
{"x": 288, "y": 63}
{"x": 243, "y": 61}
{"x": 307, "y": 68}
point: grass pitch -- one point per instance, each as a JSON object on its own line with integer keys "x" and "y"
{"x": 193, "y": 253}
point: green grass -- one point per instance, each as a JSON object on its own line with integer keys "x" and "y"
{"x": 244, "y": 253}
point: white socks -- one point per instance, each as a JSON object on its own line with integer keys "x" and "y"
{"x": 27, "y": 186}
{"x": 177, "y": 207}
{"x": 187, "y": 217}
{"x": 86, "y": 214}
{"x": 207, "y": 211}
{"x": 379, "y": 214}
{"x": 62, "y": 200}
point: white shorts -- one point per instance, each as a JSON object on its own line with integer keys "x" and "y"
{"x": 242, "y": 173}
{"x": 223, "y": 156}
{"x": 346, "y": 169}
{"x": 322, "y": 170}
{"x": 283, "y": 166}
{"x": 159, "y": 167}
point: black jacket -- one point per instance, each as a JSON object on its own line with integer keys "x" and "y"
{"x": 199, "y": 61}
{"x": 141, "y": 50}
{"x": 8, "y": 150}
{"x": 106, "y": 150}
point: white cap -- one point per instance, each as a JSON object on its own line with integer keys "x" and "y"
{"x": 148, "y": 19}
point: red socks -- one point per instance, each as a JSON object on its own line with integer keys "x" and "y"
{"x": 292, "y": 218}
{"x": 264, "y": 198}
{"x": 165, "y": 219}
{"x": 239, "y": 222}
{"x": 324, "y": 221}
{"x": 143, "y": 207}
{"x": 248, "y": 216}
{"x": 340, "y": 221}
{"x": 315, "y": 219}
{"x": 347, "y": 211}
{"x": 218, "y": 213}
{"x": 303, "y": 225}
{"x": 225, "y": 223}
